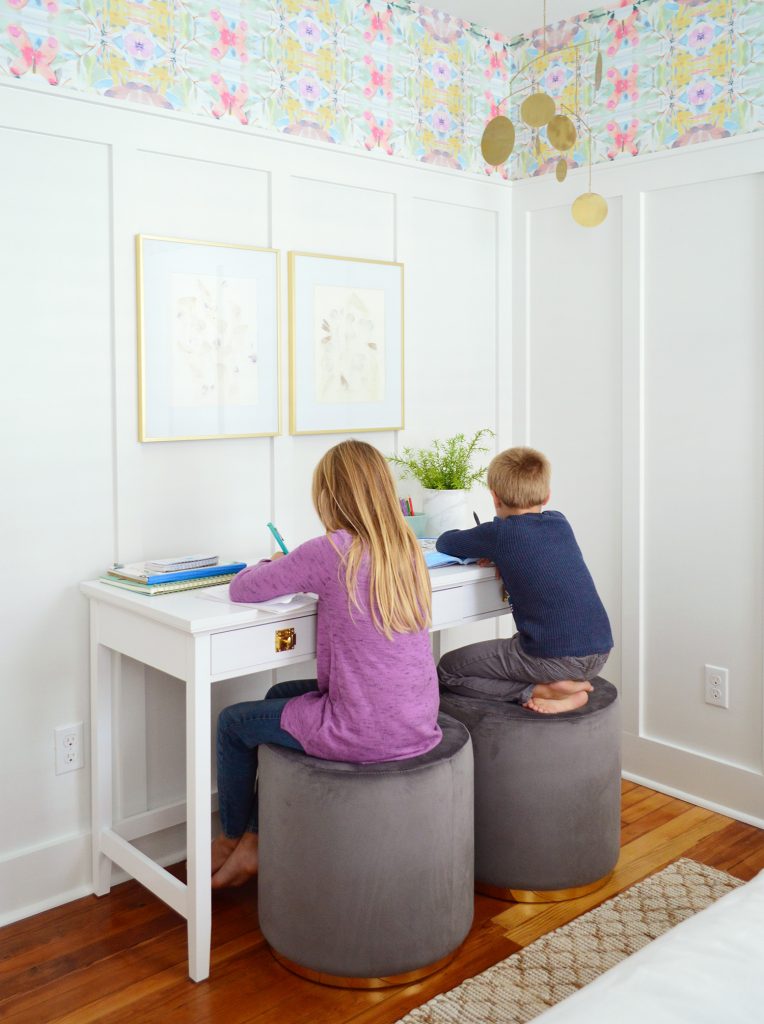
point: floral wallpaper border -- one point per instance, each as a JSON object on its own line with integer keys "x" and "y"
{"x": 400, "y": 77}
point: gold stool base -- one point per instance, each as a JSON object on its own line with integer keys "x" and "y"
{"x": 338, "y": 981}
{"x": 541, "y": 895}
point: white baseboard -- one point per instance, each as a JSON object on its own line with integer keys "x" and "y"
{"x": 691, "y": 798}
{"x": 40, "y": 878}
{"x": 725, "y": 788}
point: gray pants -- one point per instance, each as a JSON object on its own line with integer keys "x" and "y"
{"x": 501, "y": 670}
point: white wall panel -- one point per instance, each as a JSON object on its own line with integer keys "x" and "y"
{"x": 451, "y": 328}
{"x": 196, "y": 495}
{"x": 653, "y": 321}
{"x": 571, "y": 401}
{"x": 187, "y": 196}
{"x": 319, "y": 215}
{"x": 340, "y": 220}
{"x": 203, "y": 493}
{"x": 56, "y": 516}
{"x": 704, "y": 464}
{"x": 451, "y": 350}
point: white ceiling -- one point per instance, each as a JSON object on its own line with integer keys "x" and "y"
{"x": 511, "y": 17}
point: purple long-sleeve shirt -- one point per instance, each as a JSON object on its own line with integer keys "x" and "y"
{"x": 377, "y": 699}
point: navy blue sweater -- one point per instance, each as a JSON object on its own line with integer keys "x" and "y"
{"x": 555, "y": 604}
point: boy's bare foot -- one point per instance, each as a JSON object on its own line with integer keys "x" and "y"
{"x": 562, "y": 688}
{"x": 556, "y": 706}
{"x": 240, "y": 866}
{"x": 222, "y": 848}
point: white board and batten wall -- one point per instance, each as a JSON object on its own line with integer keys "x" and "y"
{"x": 630, "y": 354}
{"x": 638, "y": 353}
{"x": 80, "y": 179}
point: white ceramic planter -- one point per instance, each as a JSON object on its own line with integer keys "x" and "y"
{"x": 445, "y": 510}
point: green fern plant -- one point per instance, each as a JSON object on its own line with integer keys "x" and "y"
{"x": 446, "y": 465}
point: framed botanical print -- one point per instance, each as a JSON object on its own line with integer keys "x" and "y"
{"x": 345, "y": 344}
{"x": 208, "y": 340}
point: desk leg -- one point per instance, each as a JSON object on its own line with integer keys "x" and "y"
{"x": 100, "y": 755}
{"x": 435, "y": 637}
{"x": 198, "y": 828}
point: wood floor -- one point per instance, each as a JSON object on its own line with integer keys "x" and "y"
{"x": 123, "y": 957}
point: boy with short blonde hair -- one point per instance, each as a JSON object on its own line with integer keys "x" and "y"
{"x": 520, "y": 477}
{"x": 563, "y": 634}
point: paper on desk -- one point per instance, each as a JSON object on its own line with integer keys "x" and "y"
{"x": 276, "y": 604}
{"x": 288, "y": 601}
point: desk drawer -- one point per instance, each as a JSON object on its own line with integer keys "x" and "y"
{"x": 464, "y": 603}
{"x": 267, "y": 645}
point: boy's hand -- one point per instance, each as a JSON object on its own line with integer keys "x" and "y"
{"x": 484, "y": 563}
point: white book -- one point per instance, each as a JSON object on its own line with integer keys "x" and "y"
{"x": 180, "y": 563}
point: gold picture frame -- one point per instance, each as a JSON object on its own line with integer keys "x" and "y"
{"x": 346, "y": 344}
{"x": 209, "y": 330}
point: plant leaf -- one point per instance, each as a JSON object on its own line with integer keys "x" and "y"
{"x": 446, "y": 465}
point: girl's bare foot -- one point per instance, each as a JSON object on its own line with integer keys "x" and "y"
{"x": 562, "y": 688}
{"x": 556, "y": 706}
{"x": 240, "y": 866}
{"x": 222, "y": 848}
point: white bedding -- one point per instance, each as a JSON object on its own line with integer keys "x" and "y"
{"x": 707, "y": 970}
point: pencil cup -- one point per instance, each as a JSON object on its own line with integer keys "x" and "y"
{"x": 416, "y": 522}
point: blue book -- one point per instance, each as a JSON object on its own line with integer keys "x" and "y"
{"x": 136, "y": 572}
{"x": 436, "y": 559}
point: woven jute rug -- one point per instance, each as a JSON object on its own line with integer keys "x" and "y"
{"x": 558, "y": 964}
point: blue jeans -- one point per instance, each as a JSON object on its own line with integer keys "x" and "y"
{"x": 241, "y": 728}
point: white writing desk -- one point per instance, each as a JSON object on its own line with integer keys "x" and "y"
{"x": 202, "y": 641}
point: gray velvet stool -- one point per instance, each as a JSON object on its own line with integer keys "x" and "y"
{"x": 367, "y": 871}
{"x": 547, "y": 795}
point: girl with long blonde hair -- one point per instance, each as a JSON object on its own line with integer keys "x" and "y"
{"x": 375, "y": 697}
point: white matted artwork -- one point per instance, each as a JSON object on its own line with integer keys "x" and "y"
{"x": 345, "y": 344}
{"x": 208, "y": 340}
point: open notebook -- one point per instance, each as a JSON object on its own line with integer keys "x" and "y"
{"x": 436, "y": 559}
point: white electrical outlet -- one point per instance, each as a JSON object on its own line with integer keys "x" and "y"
{"x": 69, "y": 753}
{"x": 717, "y": 686}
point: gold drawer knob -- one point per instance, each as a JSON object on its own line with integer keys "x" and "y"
{"x": 285, "y": 639}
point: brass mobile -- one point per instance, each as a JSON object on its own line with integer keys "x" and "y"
{"x": 538, "y": 110}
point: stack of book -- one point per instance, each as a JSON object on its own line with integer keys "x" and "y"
{"x": 168, "y": 575}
